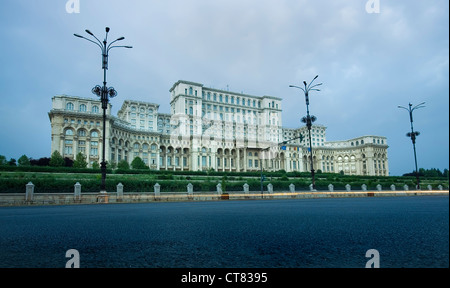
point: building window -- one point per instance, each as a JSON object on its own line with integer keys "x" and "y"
{"x": 69, "y": 132}
{"x": 82, "y": 133}
{"x": 95, "y": 109}
{"x": 94, "y": 148}
{"x": 69, "y": 106}
{"x": 82, "y": 108}
{"x": 94, "y": 134}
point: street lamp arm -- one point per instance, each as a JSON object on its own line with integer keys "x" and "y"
{"x": 129, "y": 47}
{"x": 418, "y": 106}
{"x": 118, "y": 39}
{"x": 311, "y": 88}
{"x": 79, "y": 36}
{"x": 293, "y": 86}
{"x": 92, "y": 34}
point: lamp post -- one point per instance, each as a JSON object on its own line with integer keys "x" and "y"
{"x": 413, "y": 134}
{"x": 103, "y": 91}
{"x": 266, "y": 149}
{"x": 309, "y": 119}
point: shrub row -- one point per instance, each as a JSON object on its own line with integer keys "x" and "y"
{"x": 14, "y": 185}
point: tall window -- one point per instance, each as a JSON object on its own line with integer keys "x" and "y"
{"x": 82, "y": 108}
{"x": 94, "y": 134}
{"x": 94, "y": 148}
{"x": 95, "y": 109}
{"x": 69, "y": 106}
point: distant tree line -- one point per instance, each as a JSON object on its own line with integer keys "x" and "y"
{"x": 57, "y": 160}
{"x": 433, "y": 172}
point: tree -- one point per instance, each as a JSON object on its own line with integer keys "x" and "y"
{"x": 12, "y": 162}
{"x": 3, "y": 160}
{"x": 24, "y": 161}
{"x": 138, "y": 163}
{"x": 44, "y": 161}
{"x": 80, "y": 161}
{"x": 123, "y": 165}
{"x": 56, "y": 160}
{"x": 112, "y": 165}
{"x": 95, "y": 165}
{"x": 68, "y": 162}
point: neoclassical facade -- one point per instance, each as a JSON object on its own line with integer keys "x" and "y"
{"x": 207, "y": 129}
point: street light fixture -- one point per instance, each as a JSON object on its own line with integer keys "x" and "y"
{"x": 104, "y": 92}
{"x": 309, "y": 119}
{"x": 413, "y": 134}
{"x": 266, "y": 149}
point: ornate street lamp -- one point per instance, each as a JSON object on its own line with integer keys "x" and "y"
{"x": 309, "y": 119}
{"x": 413, "y": 134}
{"x": 104, "y": 92}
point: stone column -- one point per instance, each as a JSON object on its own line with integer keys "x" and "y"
{"x": 292, "y": 188}
{"x": 219, "y": 189}
{"x": 405, "y": 187}
{"x": 392, "y": 187}
{"x": 331, "y": 188}
{"x": 29, "y": 192}
{"x": 348, "y": 187}
{"x": 77, "y": 192}
{"x": 270, "y": 188}
{"x": 364, "y": 187}
{"x": 190, "y": 191}
{"x": 379, "y": 187}
{"x": 119, "y": 192}
{"x": 157, "y": 189}
{"x": 246, "y": 187}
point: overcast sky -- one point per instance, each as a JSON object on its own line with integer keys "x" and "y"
{"x": 369, "y": 63}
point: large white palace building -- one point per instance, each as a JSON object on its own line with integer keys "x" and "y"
{"x": 208, "y": 129}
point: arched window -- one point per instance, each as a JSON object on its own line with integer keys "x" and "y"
{"x": 82, "y": 108}
{"x": 94, "y": 134}
{"x": 82, "y": 133}
{"x": 69, "y": 132}
{"x": 95, "y": 109}
{"x": 69, "y": 106}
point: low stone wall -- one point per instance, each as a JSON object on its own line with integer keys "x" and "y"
{"x": 21, "y": 199}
